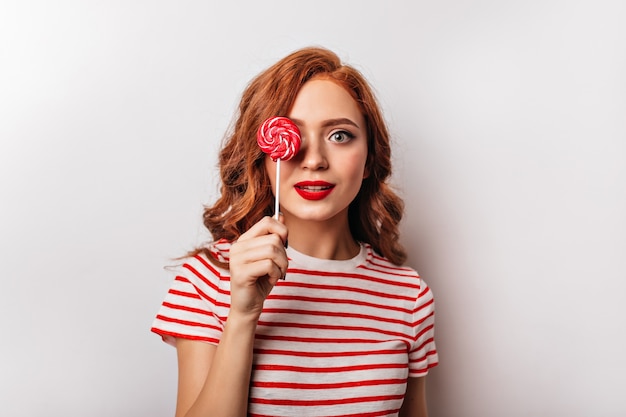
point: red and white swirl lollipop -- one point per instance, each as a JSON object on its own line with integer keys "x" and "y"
{"x": 279, "y": 137}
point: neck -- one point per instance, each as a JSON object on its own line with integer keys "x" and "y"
{"x": 324, "y": 240}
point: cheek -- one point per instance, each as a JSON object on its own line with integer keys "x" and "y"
{"x": 356, "y": 164}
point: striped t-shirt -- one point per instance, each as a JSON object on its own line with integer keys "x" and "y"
{"x": 336, "y": 338}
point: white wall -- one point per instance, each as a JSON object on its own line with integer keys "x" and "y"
{"x": 510, "y": 145}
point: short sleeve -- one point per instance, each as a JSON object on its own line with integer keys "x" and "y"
{"x": 190, "y": 309}
{"x": 423, "y": 354}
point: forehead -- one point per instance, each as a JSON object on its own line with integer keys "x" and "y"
{"x": 320, "y": 99}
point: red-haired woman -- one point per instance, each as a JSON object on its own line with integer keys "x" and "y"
{"x": 349, "y": 332}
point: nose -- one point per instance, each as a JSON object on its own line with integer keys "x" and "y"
{"x": 313, "y": 153}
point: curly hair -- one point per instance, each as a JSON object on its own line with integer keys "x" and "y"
{"x": 246, "y": 194}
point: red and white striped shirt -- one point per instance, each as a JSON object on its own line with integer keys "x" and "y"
{"x": 336, "y": 338}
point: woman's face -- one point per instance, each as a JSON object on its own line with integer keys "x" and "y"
{"x": 320, "y": 182}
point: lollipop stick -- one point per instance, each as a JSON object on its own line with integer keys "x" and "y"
{"x": 277, "y": 188}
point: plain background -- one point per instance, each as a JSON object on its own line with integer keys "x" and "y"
{"x": 508, "y": 121}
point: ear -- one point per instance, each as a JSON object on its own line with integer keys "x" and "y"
{"x": 366, "y": 172}
{"x": 368, "y": 163}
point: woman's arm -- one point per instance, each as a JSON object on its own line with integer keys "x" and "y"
{"x": 194, "y": 361}
{"x": 214, "y": 380}
{"x": 414, "y": 404}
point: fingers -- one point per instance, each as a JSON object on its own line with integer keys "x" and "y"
{"x": 261, "y": 250}
{"x": 267, "y": 225}
{"x": 257, "y": 261}
{"x": 262, "y": 255}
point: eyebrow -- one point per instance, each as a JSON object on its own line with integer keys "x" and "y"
{"x": 331, "y": 122}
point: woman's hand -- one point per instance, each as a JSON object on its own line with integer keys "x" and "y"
{"x": 257, "y": 261}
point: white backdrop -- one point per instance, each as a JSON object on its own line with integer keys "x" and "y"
{"x": 509, "y": 130}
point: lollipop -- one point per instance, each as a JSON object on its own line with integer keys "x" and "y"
{"x": 279, "y": 137}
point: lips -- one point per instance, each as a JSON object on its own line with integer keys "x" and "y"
{"x": 314, "y": 190}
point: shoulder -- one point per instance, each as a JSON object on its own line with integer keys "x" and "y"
{"x": 401, "y": 274}
{"x": 378, "y": 262}
{"x": 211, "y": 260}
{"x": 219, "y": 250}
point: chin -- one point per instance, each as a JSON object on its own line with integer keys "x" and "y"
{"x": 318, "y": 215}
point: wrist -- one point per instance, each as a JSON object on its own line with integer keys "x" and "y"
{"x": 242, "y": 321}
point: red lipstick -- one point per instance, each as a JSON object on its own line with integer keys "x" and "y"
{"x": 314, "y": 190}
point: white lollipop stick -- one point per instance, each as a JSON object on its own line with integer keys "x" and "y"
{"x": 276, "y": 203}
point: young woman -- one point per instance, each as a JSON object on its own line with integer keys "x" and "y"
{"x": 311, "y": 314}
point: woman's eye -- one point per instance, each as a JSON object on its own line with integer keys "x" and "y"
{"x": 341, "y": 136}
